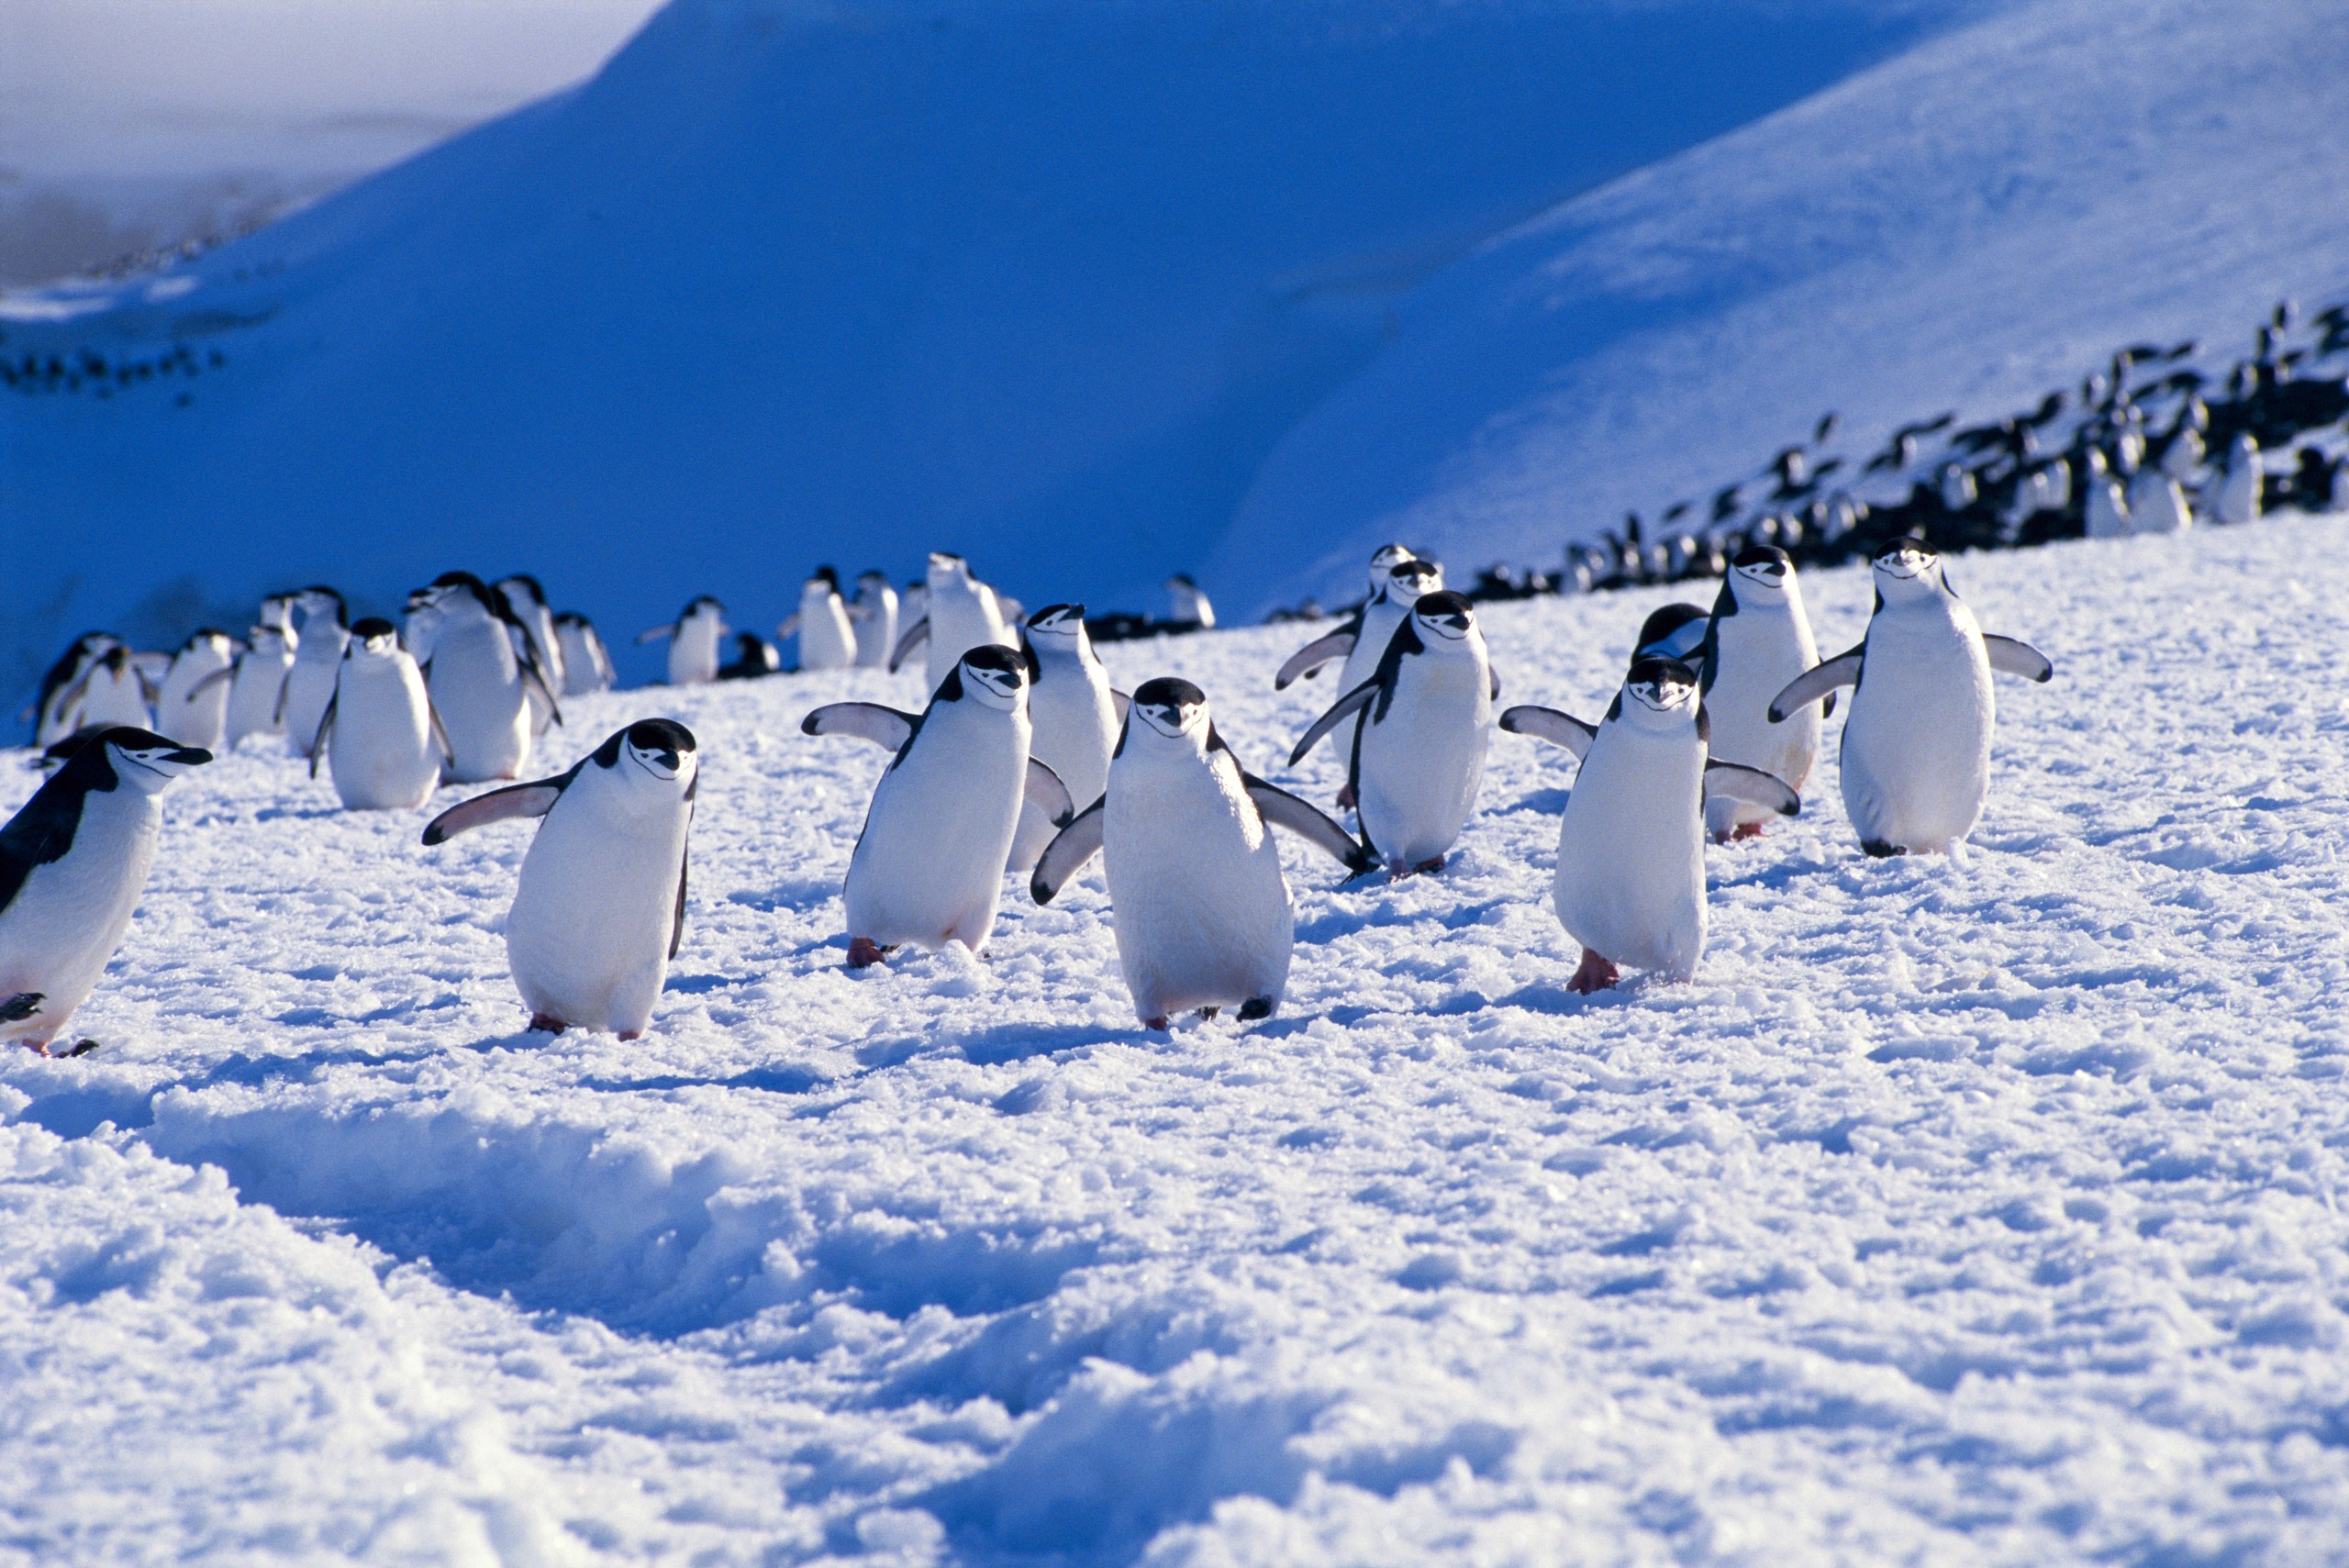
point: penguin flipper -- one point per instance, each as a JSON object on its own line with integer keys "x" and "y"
{"x": 2010, "y": 657}
{"x": 326, "y": 724}
{"x": 533, "y": 799}
{"x": 1069, "y": 850}
{"x": 655, "y": 634}
{"x": 884, "y": 726}
{"x": 787, "y": 628}
{"x": 214, "y": 679}
{"x": 1353, "y": 702}
{"x": 1308, "y": 822}
{"x": 1549, "y": 724}
{"x": 916, "y": 635}
{"x": 1045, "y": 791}
{"x": 1493, "y": 676}
{"x": 440, "y": 732}
{"x": 1313, "y": 655}
{"x": 677, "y": 926}
{"x": 1815, "y": 683}
{"x": 1753, "y": 786}
{"x": 1122, "y": 702}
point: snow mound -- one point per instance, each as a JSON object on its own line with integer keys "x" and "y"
{"x": 1985, "y": 216}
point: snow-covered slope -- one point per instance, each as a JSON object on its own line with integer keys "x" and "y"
{"x": 795, "y": 282}
{"x": 1959, "y": 1212}
{"x": 1984, "y": 219}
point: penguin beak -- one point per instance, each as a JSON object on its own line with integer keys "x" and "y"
{"x": 1166, "y": 720}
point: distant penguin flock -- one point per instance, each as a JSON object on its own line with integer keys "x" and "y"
{"x": 1025, "y": 763}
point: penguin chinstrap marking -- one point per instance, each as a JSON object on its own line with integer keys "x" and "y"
{"x": 599, "y": 907}
{"x": 1757, "y": 639}
{"x": 1073, "y": 714}
{"x": 827, "y": 635}
{"x": 318, "y": 662}
{"x": 928, "y": 869}
{"x": 959, "y": 613}
{"x": 1198, "y": 902}
{"x": 482, "y": 677}
{"x": 380, "y": 733}
{"x": 1425, "y": 716}
{"x": 695, "y": 639}
{"x": 1916, "y": 746}
{"x": 1630, "y": 882}
{"x": 72, "y": 863}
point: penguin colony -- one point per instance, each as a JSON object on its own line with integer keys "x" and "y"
{"x": 1025, "y": 762}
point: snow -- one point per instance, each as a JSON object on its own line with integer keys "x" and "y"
{"x": 1962, "y": 1210}
{"x": 1032, "y": 280}
{"x": 1969, "y": 225}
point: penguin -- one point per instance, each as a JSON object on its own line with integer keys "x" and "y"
{"x": 928, "y": 869}
{"x": 2184, "y": 453}
{"x": 385, "y": 742}
{"x": 826, "y": 636}
{"x": 528, "y": 600}
{"x": 1630, "y": 882}
{"x": 2157, "y": 504}
{"x": 113, "y": 689}
{"x": 1676, "y": 631}
{"x": 318, "y": 662}
{"x": 753, "y": 656}
{"x": 1418, "y": 750}
{"x": 2108, "y": 507}
{"x": 2236, "y": 498}
{"x": 192, "y": 707}
{"x": 1073, "y": 716}
{"x": 1365, "y": 638}
{"x": 960, "y": 613}
{"x": 1916, "y": 746}
{"x": 53, "y": 720}
{"x": 257, "y": 683}
{"x": 72, "y": 863}
{"x": 599, "y": 906}
{"x": 1198, "y": 902}
{"x": 875, "y": 614}
{"x": 1307, "y": 660}
{"x": 694, "y": 639}
{"x": 1757, "y": 639}
{"x": 1186, "y": 605}
{"x": 482, "y": 677}
{"x": 586, "y": 664}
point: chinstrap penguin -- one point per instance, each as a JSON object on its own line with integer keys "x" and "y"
{"x": 1073, "y": 714}
{"x": 380, "y": 733}
{"x": 1757, "y": 639}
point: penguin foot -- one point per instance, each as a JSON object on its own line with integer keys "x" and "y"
{"x": 1877, "y": 850}
{"x": 1746, "y": 830}
{"x": 1429, "y": 865}
{"x": 1595, "y": 974}
{"x": 1209, "y": 1012}
{"x": 627, "y": 1035}
{"x": 543, "y": 1023}
{"x": 1346, "y": 797}
{"x": 864, "y": 953}
{"x": 20, "y": 1006}
{"x": 1159, "y": 1023}
{"x": 81, "y": 1048}
{"x": 1255, "y": 1008}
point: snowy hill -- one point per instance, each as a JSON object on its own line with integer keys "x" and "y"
{"x": 789, "y": 282}
{"x": 1986, "y": 218}
{"x": 1973, "y": 1211}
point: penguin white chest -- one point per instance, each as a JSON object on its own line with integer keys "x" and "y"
{"x": 1199, "y": 903}
{"x": 254, "y": 692}
{"x": 1759, "y": 651}
{"x": 69, "y": 917}
{"x": 310, "y": 684}
{"x": 1631, "y": 878}
{"x": 595, "y": 905}
{"x": 827, "y": 639}
{"x": 1074, "y": 728}
{"x": 962, "y": 617}
{"x": 476, "y": 682}
{"x": 1423, "y": 758}
{"x": 928, "y": 867}
{"x": 381, "y": 751}
{"x": 1916, "y": 751}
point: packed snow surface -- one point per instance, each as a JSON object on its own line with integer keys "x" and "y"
{"x": 1977, "y": 1210}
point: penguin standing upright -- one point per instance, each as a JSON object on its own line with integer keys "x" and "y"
{"x": 1198, "y": 902}
{"x": 826, "y": 636}
{"x": 1630, "y": 882}
{"x": 1757, "y": 639}
{"x": 928, "y": 869}
{"x": 586, "y": 664}
{"x": 113, "y": 689}
{"x": 959, "y": 613}
{"x": 2157, "y": 504}
{"x": 482, "y": 678}
{"x": 318, "y": 662}
{"x": 2107, "y": 506}
{"x": 1187, "y": 604}
{"x": 599, "y": 907}
{"x": 528, "y": 601}
{"x": 1073, "y": 715}
{"x": 192, "y": 707}
{"x": 1342, "y": 643}
{"x": 1363, "y": 643}
{"x": 1677, "y": 631}
{"x": 257, "y": 688}
{"x": 1418, "y": 748}
{"x": 1916, "y": 747}
{"x": 694, "y": 640}
{"x": 53, "y": 715}
{"x": 2237, "y": 497}
{"x": 380, "y": 731}
{"x": 72, "y": 863}
{"x": 875, "y": 614}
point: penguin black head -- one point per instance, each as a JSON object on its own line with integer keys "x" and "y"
{"x": 944, "y": 564}
{"x": 373, "y": 635}
{"x": 1065, "y": 620}
{"x": 1181, "y": 580}
{"x": 695, "y": 606}
{"x": 1907, "y": 569}
{"x": 140, "y": 758}
{"x": 203, "y": 635}
{"x": 531, "y": 584}
{"x": 1446, "y": 614}
{"x": 872, "y": 575}
{"x": 1660, "y": 685}
{"x": 660, "y": 747}
{"x": 571, "y": 618}
{"x": 1762, "y": 566}
{"x": 828, "y": 576}
{"x": 1169, "y": 704}
{"x": 1406, "y": 580}
{"x": 320, "y": 600}
{"x": 1673, "y": 632}
{"x": 995, "y": 674}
